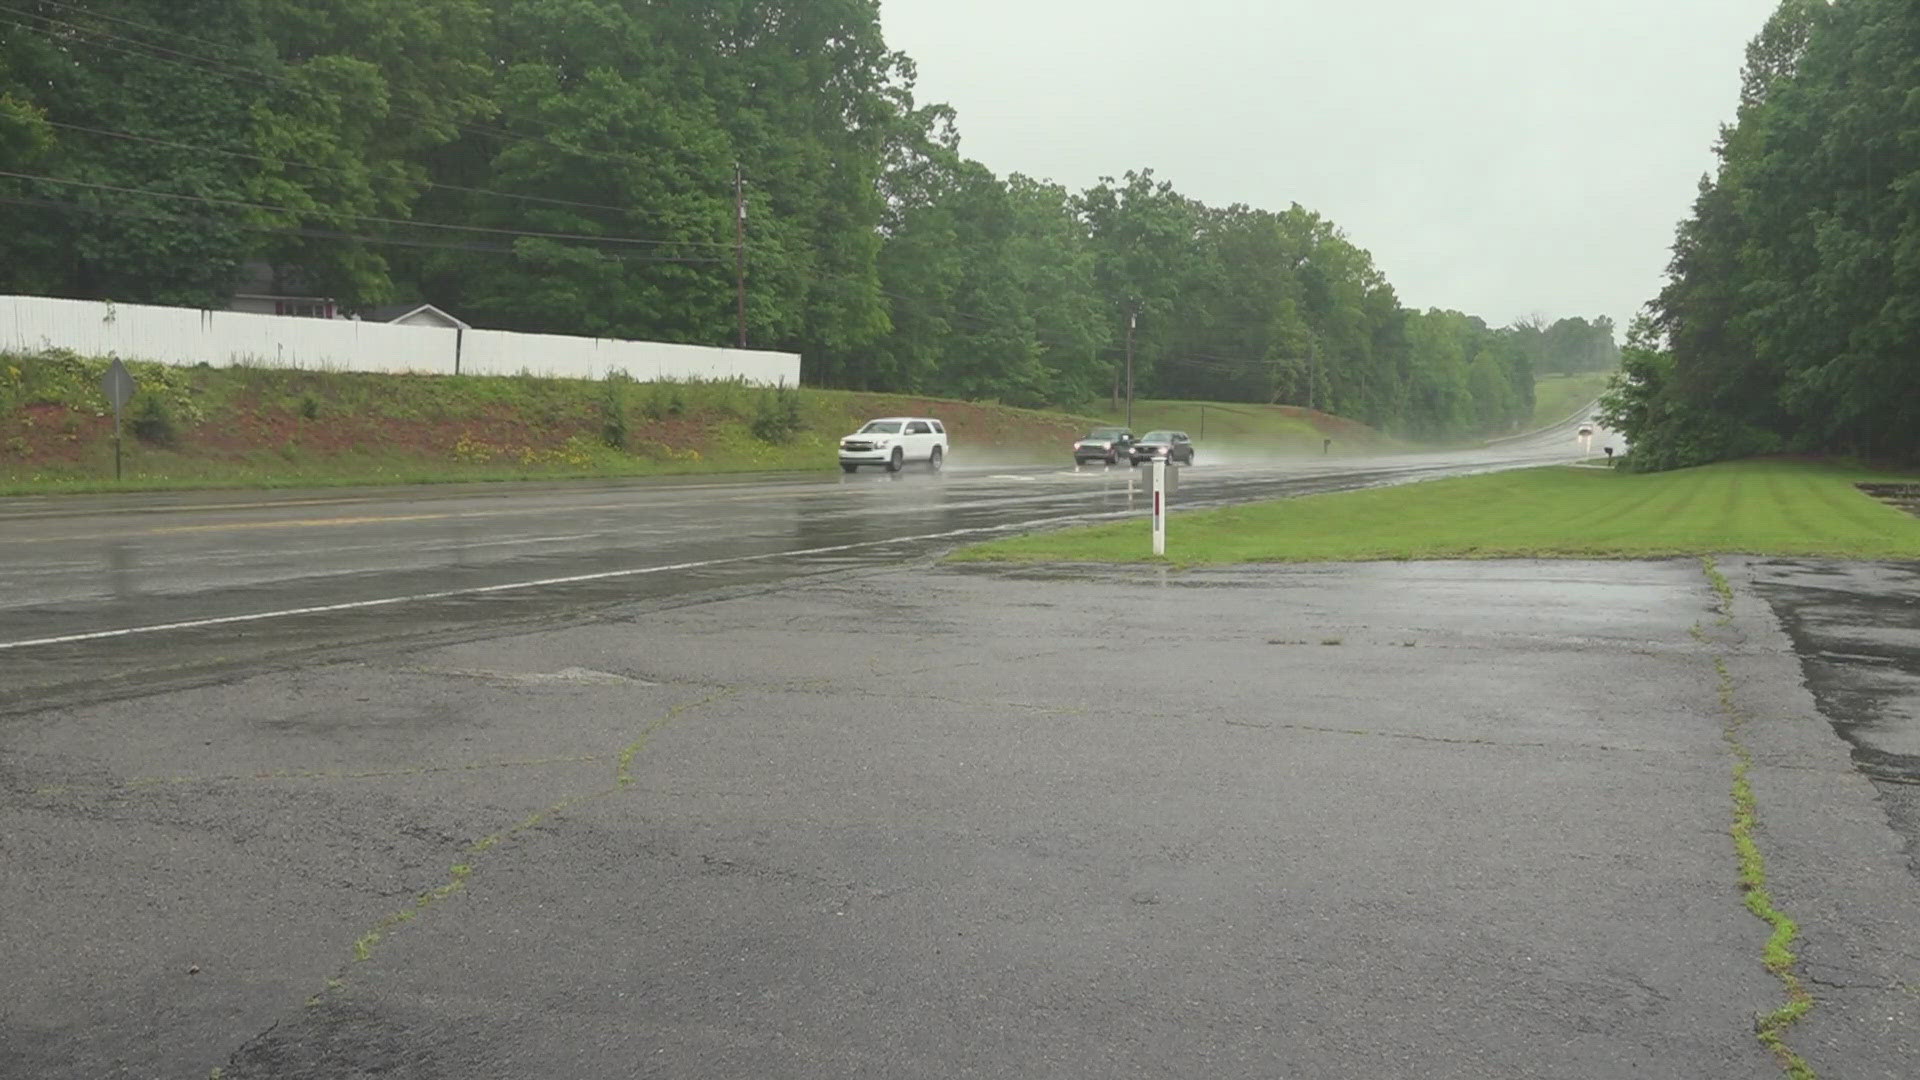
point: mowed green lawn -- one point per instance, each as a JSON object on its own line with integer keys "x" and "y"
{"x": 1751, "y": 507}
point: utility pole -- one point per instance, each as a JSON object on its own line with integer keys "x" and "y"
{"x": 740, "y": 245}
{"x": 1313, "y": 369}
{"x": 1133, "y": 318}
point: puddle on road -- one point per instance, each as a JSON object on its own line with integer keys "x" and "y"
{"x": 1856, "y": 628}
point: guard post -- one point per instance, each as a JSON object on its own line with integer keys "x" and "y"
{"x": 1160, "y": 506}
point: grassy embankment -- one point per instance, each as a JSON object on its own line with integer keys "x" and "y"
{"x": 1557, "y": 397}
{"x": 268, "y": 427}
{"x": 1772, "y": 507}
{"x": 251, "y": 426}
{"x": 1241, "y": 428}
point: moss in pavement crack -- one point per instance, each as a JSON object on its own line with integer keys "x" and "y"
{"x": 1721, "y": 587}
{"x": 1778, "y": 956}
{"x": 457, "y": 878}
{"x": 624, "y": 775}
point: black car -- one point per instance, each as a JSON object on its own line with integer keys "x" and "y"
{"x": 1173, "y": 446}
{"x": 1109, "y": 444}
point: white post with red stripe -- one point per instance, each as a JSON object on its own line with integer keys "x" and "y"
{"x": 1159, "y": 506}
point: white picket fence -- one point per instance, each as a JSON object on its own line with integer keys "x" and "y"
{"x": 187, "y": 336}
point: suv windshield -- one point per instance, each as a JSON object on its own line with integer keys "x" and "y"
{"x": 882, "y": 427}
{"x": 1106, "y": 434}
{"x": 1157, "y": 436}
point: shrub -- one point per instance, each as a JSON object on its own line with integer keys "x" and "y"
{"x": 613, "y": 410}
{"x": 1665, "y": 430}
{"x": 777, "y": 418}
{"x": 153, "y": 422}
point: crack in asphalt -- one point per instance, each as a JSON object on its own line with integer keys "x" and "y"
{"x": 459, "y": 876}
{"x": 1879, "y": 987}
{"x": 1441, "y": 739}
{"x": 1778, "y": 957}
{"x": 139, "y": 783}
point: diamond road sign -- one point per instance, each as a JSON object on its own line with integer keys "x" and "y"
{"x": 119, "y": 385}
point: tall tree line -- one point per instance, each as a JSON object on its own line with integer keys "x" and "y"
{"x": 1791, "y": 315}
{"x": 569, "y": 166}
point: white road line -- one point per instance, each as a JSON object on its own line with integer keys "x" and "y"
{"x": 481, "y": 590}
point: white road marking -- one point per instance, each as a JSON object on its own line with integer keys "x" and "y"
{"x": 481, "y": 590}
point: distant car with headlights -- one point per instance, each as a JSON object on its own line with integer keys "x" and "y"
{"x": 1109, "y": 444}
{"x": 891, "y": 442}
{"x": 1169, "y": 446}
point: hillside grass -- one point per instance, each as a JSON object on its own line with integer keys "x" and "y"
{"x": 1761, "y": 507}
{"x": 195, "y": 427}
{"x": 1276, "y": 429}
{"x": 200, "y": 427}
{"x": 1557, "y": 397}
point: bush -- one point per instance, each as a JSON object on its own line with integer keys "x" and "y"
{"x": 153, "y": 423}
{"x": 613, "y": 410}
{"x": 777, "y": 418}
{"x": 1664, "y": 430}
{"x": 60, "y": 377}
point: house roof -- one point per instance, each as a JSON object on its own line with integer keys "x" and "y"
{"x": 393, "y": 313}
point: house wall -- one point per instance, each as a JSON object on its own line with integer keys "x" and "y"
{"x": 186, "y": 336}
{"x": 256, "y": 305}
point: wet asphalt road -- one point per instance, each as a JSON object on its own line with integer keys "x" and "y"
{"x": 746, "y": 798}
{"x": 1856, "y": 629}
{"x": 100, "y": 595}
{"x": 1405, "y": 820}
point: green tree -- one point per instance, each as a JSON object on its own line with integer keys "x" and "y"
{"x": 1789, "y": 305}
{"x": 610, "y": 120}
{"x": 1141, "y": 230}
{"x": 349, "y": 103}
{"x": 91, "y": 229}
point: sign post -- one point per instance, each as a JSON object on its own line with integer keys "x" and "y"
{"x": 119, "y": 386}
{"x": 1159, "y": 506}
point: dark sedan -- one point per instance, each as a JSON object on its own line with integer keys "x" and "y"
{"x": 1172, "y": 446}
{"x": 1108, "y": 444}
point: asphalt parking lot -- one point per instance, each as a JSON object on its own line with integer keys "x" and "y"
{"x": 1421, "y": 820}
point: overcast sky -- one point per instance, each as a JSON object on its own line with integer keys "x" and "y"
{"x": 1501, "y": 157}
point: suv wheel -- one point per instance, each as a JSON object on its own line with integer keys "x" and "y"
{"x": 898, "y": 459}
{"x": 846, "y": 467}
{"x": 937, "y": 461}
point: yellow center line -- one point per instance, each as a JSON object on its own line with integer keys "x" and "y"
{"x": 544, "y": 510}
{"x": 203, "y": 508}
{"x": 302, "y": 523}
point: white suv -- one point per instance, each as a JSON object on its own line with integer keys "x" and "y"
{"x": 893, "y": 441}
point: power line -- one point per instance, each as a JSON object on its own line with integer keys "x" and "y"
{"x": 319, "y": 212}
{"x": 238, "y": 154}
{"x": 485, "y": 249}
{"x": 1170, "y": 354}
{"x": 77, "y": 28}
{"x": 343, "y": 172}
{"x": 230, "y": 70}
